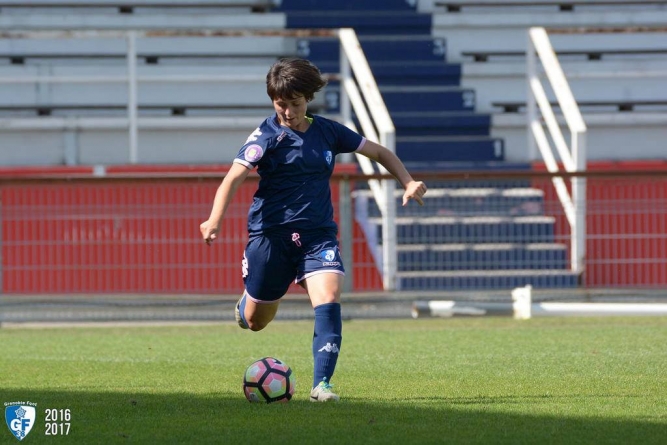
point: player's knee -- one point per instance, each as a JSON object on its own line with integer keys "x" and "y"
{"x": 257, "y": 325}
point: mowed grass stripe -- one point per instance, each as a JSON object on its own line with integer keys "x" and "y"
{"x": 466, "y": 380}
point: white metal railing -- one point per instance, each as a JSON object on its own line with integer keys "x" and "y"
{"x": 573, "y": 157}
{"x": 377, "y": 126}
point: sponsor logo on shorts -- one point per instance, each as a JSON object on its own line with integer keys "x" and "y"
{"x": 253, "y": 153}
{"x": 328, "y": 256}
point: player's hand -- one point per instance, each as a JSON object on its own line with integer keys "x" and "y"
{"x": 414, "y": 190}
{"x": 209, "y": 231}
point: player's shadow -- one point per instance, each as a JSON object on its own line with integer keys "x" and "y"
{"x": 136, "y": 417}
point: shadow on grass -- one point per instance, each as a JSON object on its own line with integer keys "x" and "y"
{"x": 127, "y": 417}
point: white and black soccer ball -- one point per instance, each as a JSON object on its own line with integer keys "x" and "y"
{"x": 268, "y": 380}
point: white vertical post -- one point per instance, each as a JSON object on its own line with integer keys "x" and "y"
{"x": 345, "y": 76}
{"x": 389, "y": 255}
{"x": 346, "y": 231}
{"x": 343, "y": 97}
{"x": 132, "y": 95}
{"x": 522, "y": 301}
{"x": 579, "y": 201}
{"x": 531, "y": 106}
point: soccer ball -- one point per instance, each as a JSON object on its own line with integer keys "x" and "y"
{"x": 268, "y": 380}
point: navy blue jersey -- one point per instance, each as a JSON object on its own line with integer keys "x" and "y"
{"x": 295, "y": 169}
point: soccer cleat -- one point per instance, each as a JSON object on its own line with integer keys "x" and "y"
{"x": 323, "y": 393}
{"x": 237, "y": 314}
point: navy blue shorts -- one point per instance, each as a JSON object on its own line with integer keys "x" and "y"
{"x": 271, "y": 262}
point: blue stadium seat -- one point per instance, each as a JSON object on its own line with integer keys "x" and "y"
{"x": 343, "y": 5}
{"x": 420, "y": 99}
{"x": 430, "y": 149}
{"x": 486, "y": 280}
{"x": 418, "y": 49}
{"x": 482, "y": 257}
{"x": 364, "y": 24}
{"x": 471, "y": 201}
{"x": 479, "y": 229}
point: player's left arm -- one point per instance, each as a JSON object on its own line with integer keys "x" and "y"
{"x": 385, "y": 157}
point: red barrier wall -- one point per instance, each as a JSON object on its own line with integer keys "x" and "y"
{"x": 626, "y": 225}
{"x": 92, "y": 235}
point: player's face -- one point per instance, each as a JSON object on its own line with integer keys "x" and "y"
{"x": 292, "y": 112}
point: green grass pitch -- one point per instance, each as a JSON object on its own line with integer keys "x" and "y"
{"x": 465, "y": 380}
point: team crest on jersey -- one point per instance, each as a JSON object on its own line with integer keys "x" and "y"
{"x": 20, "y": 419}
{"x": 253, "y": 153}
{"x": 328, "y": 156}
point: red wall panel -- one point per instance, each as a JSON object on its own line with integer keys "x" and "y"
{"x": 626, "y": 225}
{"x": 126, "y": 235}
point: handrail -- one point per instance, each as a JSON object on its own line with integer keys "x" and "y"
{"x": 573, "y": 156}
{"x": 371, "y": 115}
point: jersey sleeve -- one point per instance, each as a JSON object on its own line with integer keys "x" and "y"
{"x": 348, "y": 141}
{"x": 253, "y": 149}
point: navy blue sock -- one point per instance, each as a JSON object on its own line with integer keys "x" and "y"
{"x": 327, "y": 339}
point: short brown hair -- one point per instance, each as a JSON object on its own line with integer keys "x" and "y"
{"x": 291, "y": 77}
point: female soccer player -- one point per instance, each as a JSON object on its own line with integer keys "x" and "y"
{"x": 292, "y": 233}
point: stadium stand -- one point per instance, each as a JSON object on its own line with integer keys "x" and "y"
{"x": 612, "y": 52}
{"x": 489, "y": 235}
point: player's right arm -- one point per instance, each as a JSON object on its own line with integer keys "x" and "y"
{"x": 231, "y": 182}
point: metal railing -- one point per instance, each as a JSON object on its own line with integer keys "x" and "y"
{"x": 378, "y": 127}
{"x": 573, "y": 156}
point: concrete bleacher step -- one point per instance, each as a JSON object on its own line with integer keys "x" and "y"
{"x": 239, "y": 22}
{"x": 450, "y": 257}
{"x": 487, "y": 201}
{"x": 94, "y": 48}
{"x": 449, "y": 148}
{"x": 473, "y": 229}
{"x": 485, "y": 280}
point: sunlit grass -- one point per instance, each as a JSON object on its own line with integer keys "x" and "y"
{"x": 474, "y": 380}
